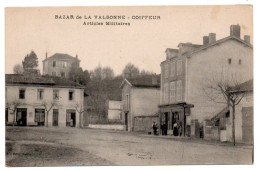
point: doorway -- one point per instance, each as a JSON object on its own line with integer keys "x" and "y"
{"x": 55, "y": 117}
{"x": 21, "y": 116}
{"x": 71, "y": 118}
{"x": 247, "y": 125}
{"x": 126, "y": 121}
{"x": 6, "y": 116}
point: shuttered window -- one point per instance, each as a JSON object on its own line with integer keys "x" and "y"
{"x": 179, "y": 90}
{"x": 172, "y": 92}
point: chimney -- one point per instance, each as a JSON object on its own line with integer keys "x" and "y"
{"x": 212, "y": 37}
{"x": 235, "y": 30}
{"x": 205, "y": 40}
{"x": 77, "y": 56}
{"x": 247, "y": 38}
{"x": 46, "y": 55}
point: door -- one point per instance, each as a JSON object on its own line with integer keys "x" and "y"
{"x": 21, "y": 116}
{"x": 73, "y": 118}
{"x": 247, "y": 125}
{"x": 6, "y": 116}
{"x": 126, "y": 121}
{"x": 55, "y": 117}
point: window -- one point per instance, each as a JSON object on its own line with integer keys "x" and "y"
{"x": 40, "y": 94}
{"x": 166, "y": 92}
{"x": 22, "y": 94}
{"x": 173, "y": 68}
{"x": 166, "y": 70}
{"x": 240, "y": 62}
{"x": 229, "y": 60}
{"x": 179, "y": 67}
{"x": 62, "y": 74}
{"x": 172, "y": 92}
{"x": 179, "y": 90}
{"x": 39, "y": 116}
{"x": 54, "y": 74}
{"x": 71, "y": 94}
{"x": 56, "y": 94}
{"x": 64, "y": 64}
{"x": 54, "y": 64}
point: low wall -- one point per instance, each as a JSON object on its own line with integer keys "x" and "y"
{"x": 107, "y": 126}
{"x": 144, "y": 123}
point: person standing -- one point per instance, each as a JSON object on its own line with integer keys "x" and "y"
{"x": 155, "y": 127}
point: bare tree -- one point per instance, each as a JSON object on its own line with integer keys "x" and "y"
{"x": 18, "y": 69}
{"x": 47, "y": 107}
{"x": 12, "y": 106}
{"x": 224, "y": 90}
{"x": 80, "y": 110}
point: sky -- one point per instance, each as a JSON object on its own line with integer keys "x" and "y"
{"x": 143, "y": 43}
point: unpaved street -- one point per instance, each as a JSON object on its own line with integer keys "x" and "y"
{"x": 72, "y": 146}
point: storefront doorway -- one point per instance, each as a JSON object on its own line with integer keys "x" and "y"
{"x": 21, "y": 116}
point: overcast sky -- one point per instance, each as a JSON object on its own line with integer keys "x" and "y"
{"x": 142, "y": 43}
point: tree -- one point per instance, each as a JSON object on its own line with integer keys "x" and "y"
{"x": 107, "y": 73}
{"x": 221, "y": 90}
{"x": 130, "y": 71}
{"x": 47, "y": 107}
{"x": 77, "y": 75}
{"x": 30, "y": 61}
{"x": 18, "y": 69}
{"x": 80, "y": 110}
{"x": 102, "y": 73}
{"x": 145, "y": 73}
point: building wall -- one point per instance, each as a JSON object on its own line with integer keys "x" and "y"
{"x": 145, "y": 123}
{"x": 127, "y": 91}
{"x": 145, "y": 101}
{"x": 211, "y": 63}
{"x": 58, "y": 69}
{"x": 31, "y": 102}
{"x": 172, "y": 78}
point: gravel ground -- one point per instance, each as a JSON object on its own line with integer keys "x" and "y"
{"x": 71, "y": 146}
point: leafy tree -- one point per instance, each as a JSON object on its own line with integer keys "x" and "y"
{"x": 30, "y": 61}
{"x": 145, "y": 73}
{"x": 101, "y": 73}
{"x": 76, "y": 74}
{"x": 107, "y": 73}
{"x": 18, "y": 69}
{"x": 130, "y": 71}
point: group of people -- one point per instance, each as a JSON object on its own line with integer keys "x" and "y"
{"x": 177, "y": 128}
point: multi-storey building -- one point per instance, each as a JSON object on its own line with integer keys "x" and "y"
{"x": 187, "y": 68}
{"x": 40, "y": 100}
{"x": 59, "y": 64}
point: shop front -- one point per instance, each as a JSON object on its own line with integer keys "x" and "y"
{"x": 173, "y": 119}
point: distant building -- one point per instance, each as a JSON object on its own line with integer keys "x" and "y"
{"x": 186, "y": 69}
{"x": 114, "y": 110}
{"x": 26, "y": 98}
{"x": 140, "y": 100}
{"x": 59, "y": 64}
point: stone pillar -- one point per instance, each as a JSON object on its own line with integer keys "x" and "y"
{"x": 195, "y": 128}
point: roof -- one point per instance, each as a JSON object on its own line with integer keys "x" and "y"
{"x": 61, "y": 56}
{"x": 220, "y": 41}
{"x": 19, "y": 79}
{"x": 244, "y": 87}
{"x": 152, "y": 81}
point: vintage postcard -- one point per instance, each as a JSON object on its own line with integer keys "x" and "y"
{"x": 130, "y": 85}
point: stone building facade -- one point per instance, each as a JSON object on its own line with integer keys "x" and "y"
{"x": 59, "y": 64}
{"x": 187, "y": 69}
{"x": 28, "y": 100}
